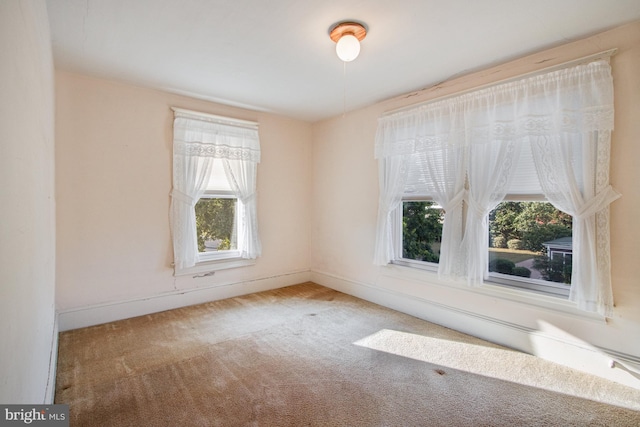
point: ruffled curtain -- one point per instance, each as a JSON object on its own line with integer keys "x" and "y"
{"x": 392, "y": 178}
{"x": 445, "y": 169}
{"x": 197, "y": 140}
{"x": 565, "y": 116}
{"x": 489, "y": 172}
{"x": 242, "y": 178}
{"x": 575, "y": 189}
{"x": 191, "y": 174}
{"x": 430, "y": 157}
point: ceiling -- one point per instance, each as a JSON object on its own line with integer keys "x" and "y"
{"x": 276, "y": 55}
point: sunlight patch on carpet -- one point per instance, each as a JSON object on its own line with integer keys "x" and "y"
{"x": 496, "y": 362}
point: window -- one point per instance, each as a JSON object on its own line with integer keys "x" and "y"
{"x": 213, "y": 206}
{"x": 216, "y": 224}
{"x": 218, "y": 218}
{"x": 543, "y": 138}
{"x": 418, "y": 235}
{"x": 421, "y": 230}
{"x": 519, "y": 255}
{"x": 519, "y": 228}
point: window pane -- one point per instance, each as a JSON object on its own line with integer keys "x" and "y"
{"x": 421, "y": 231}
{"x": 216, "y": 224}
{"x": 531, "y": 240}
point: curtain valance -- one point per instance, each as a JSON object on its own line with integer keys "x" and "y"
{"x": 573, "y": 100}
{"x": 204, "y": 138}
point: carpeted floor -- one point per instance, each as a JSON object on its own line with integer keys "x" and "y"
{"x": 306, "y": 355}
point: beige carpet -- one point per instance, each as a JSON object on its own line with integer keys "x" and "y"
{"x": 306, "y": 355}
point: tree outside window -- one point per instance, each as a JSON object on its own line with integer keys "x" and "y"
{"x": 421, "y": 231}
{"x": 517, "y": 233}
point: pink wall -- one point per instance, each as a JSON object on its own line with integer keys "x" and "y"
{"x": 113, "y": 156}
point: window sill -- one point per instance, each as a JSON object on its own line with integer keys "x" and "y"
{"x": 556, "y": 290}
{"x": 428, "y": 274}
{"x": 529, "y": 297}
{"x": 419, "y": 265}
{"x": 208, "y": 267}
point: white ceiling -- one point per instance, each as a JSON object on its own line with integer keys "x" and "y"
{"x": 276, "y": 55}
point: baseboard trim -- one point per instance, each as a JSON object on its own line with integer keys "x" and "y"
{"x": 50, "y": 391}
{"x": 592, "y": 359}
{"x": 102, "y": 313}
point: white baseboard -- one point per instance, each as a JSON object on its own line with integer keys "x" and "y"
{"x": 102, "y": 313}
{"x": 50, "y": 391}
{"x": 591, "y": 359}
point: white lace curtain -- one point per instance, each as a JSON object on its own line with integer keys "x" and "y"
{"x": 565, "y": 117}
{"x": 197, "y": 141}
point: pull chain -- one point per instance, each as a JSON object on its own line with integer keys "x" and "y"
{"x": 344, "y": 94}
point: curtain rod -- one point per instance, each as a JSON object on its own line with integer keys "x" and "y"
{"x": 585, "y": 59}
{"x": 213, "y": 118}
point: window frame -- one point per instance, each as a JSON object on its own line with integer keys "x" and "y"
{"x": 544, "y": 287}
{"x": 207, "y": 264}
{"x": 397, "y": 216}
{"x": 208, "y": 268}
{"x": 516, "y": 283}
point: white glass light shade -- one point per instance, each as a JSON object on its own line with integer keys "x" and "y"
{"x": 348, "y": 48}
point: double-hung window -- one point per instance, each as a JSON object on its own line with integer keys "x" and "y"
{"x": 540, "y": 143}
{"x": 213, "y": 201}
{"x": 431, "y": 185}
{"x": 218, "y": 218}
{"x": 519, "y": 228}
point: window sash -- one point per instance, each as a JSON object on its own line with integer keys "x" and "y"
{"x": 398, "y": 234}
{"x": 224, "y": 254}
{"x": 536, "y": 285}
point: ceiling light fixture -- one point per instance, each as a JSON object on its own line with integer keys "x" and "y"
{"x": 347, "y": 36}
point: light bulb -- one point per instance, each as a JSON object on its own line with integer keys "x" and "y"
{"x": 348, "y": 47}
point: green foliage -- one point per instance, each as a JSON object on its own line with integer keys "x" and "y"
{"x": 515, "y": 244}
{"x": 501, "y": 265}
{"x": 215, "y": 221}
{"x": 534, "y": 236}
{"x": 531, "y": 222}
{"x": 225, "y": 245}
{"x": 553, "y": 270}
{"x": 421, "y": 228}
{"x": 503, "y": 220}
{"x": 522, "y": 272}
{"x": 541, "y": 213}
{"x": 499, "y": 242}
